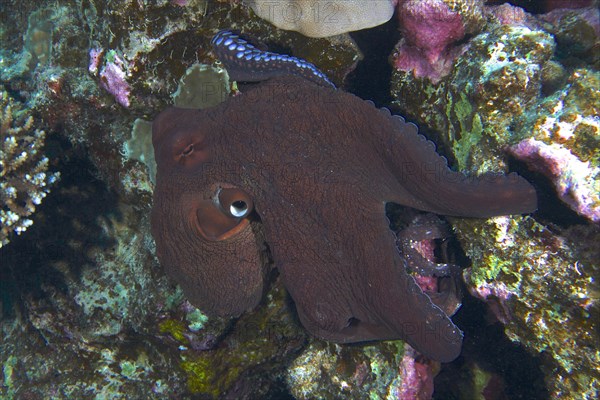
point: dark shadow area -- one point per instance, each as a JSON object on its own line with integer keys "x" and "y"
{"x": 540, "y": 7}
{"x": 551, "y": 209}
{"x": 513, "y": 373}
{"x": 531, "y": 6}
{"x": 66, "y": 229}
{"x": 371, "y": 78}
{"x": 279, "y": 391}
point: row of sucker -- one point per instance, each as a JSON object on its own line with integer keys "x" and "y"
{"x": 245, "y": 62}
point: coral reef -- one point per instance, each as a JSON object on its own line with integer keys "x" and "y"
{"x": 324, "y": 18}
{"x": 429, "y": 31}
{"x": 541, "y": 285}
{"x": 577, "y": 34}
{"x": 329, "y": 371}
{"x": 565, "y": 142}
{"x": 70, "y": 343}
{"x": 24, "y": 176}
{"x": 242, "y": 363}
{"x": 518, "y": 88}
{"x": 577, "y": 184}
{"x": 486, "y": 95}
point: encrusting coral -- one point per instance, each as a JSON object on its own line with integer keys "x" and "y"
{"x": 24, "y": 177}
{"x": 521, "y": 87}
{"x": 432, "y": 31}
{"x": 324, "y": 18}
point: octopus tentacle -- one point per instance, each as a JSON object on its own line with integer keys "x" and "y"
{"x": 427, "y": 227}
{"x": 245, "y": 62}
{"x": 424, "y": 227}
{"x": 434, "y": 187}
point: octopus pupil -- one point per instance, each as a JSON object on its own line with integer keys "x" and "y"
{"x": 238, "y": 208}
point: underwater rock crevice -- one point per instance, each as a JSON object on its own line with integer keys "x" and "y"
{"x": 66, "y": 228}
{"x": 551, "y": 210}
{"x": 490, "y": 363}
{"x": 370, "y": 79}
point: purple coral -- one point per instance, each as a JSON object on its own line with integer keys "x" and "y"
{"x": 429, "y": 29}
{"x": 573, "y": 179}
{"x": 112, "y": 78}
{"x": 95, "y": 58}
{"x": 417, "y": 376}
{"x": 507, "y": 14}
{"x": 497, "y": 296}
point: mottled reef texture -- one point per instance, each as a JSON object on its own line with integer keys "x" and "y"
{"x": 525, "y": 94}
{"x": 87, "y": 312}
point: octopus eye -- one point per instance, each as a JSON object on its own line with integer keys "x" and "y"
{"x": 239, "y": 208}
{"x": 234, "y": 202}
{"x": 224, "y": 215}
{"x": 188, "y": 150}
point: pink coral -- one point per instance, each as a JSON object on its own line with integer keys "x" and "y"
{"x": 430, "y": 29}
{"x": 497, "y": 296}
{"x": 95, "y": 58}
{"x": 573, "y": 179}
{"x": 112, "y": 78}
{"x": 427, "y": 283}
{"x": 417, "y": 377}
{"x": 507, "y": 14}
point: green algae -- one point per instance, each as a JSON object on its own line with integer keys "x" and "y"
{"x": 482, "y": 104}
{"x": 215, "y": 372}
{"x": 201, "y": 375}
{"x": 258, "y": 345}
{"x": 8, "y": 368}
{"x": 471, "y": 130}
{"x": 174, "y": 328}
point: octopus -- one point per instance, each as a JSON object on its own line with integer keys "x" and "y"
{"x": 293, "y": 175}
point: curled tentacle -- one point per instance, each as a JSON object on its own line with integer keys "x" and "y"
{"x": 245, "y": 62}
{"x": 414, "y": 245}
{"x": 425, "y": 227}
